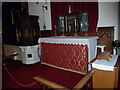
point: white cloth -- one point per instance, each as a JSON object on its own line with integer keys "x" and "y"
{"x": 68, "y": 39}
{"x": 104, "y": 64}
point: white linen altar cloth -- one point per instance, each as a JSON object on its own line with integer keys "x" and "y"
{"x": 104, "y": 64}
{"x": 68, "y": 39}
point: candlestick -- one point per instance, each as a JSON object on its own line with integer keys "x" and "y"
{"x": 75, "y": 25}
{"x": 75, "y": 28}
{"x": 66, "y": 23}
{"x": 75, "y": 22}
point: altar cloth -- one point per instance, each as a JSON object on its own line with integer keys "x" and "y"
{"x": 69, "y": 39}
{"x": 104, "y": 64}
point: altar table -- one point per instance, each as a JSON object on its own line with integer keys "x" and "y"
{"x": 75, "y": 50}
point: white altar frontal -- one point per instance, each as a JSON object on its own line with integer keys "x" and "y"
{"x": 90, "y": 41}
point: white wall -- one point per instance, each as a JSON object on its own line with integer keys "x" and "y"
{"x": 108, "y": 16}
{"x": 36, "y": 9}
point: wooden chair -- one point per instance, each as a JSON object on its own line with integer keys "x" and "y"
{"x": 53, "y": 85}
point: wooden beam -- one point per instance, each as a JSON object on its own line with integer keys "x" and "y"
{"x": 48, "y": 83}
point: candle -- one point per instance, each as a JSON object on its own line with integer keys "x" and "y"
{"x": 69, "y": 9}
{"x": 75, "y": 22}
{"x": 75, "y": 25}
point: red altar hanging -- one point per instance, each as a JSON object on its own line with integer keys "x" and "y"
{"x": 71, "y": 57}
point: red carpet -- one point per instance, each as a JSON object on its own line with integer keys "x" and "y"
{"x": 24, "y": 74}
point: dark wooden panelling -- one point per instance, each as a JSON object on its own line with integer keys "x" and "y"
{"x": 28, "y": 30}
{"x": 106, "y": 36}
{"x": 46, "y": 33}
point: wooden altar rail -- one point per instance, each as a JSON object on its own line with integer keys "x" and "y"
{"x": 53, "y": 85}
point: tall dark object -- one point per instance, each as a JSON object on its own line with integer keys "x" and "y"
{"x": 9, "y": 10}
{"x": 27, "y": 30}
{"x": 10, "y": 16}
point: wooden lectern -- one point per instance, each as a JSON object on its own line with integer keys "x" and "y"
{"x": 106, "y": 73}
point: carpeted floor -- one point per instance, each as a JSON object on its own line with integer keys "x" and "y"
{"x": 24, "y": 74}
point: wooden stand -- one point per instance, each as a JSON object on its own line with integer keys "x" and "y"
{"x": 106, "y": 79}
